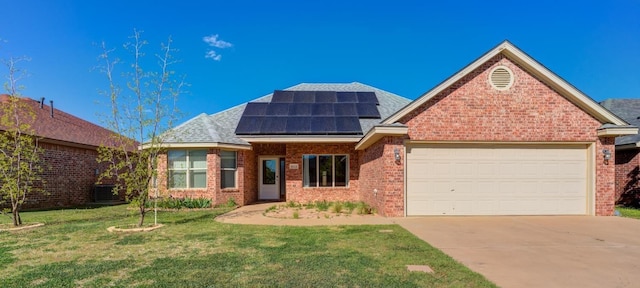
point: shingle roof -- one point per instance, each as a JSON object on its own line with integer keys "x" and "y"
{"x": 628, "y": 110}
{"x": 65, "y": 127}
{"x": 220, "y": 127}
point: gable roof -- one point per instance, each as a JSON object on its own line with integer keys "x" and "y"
{"x": 530, "y": 65}
{"x": 59, "y": 126}
{"x": 629, "y": 110}
{"x": 219, "y": 129}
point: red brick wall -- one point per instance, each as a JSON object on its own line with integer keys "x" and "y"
{"x": 627, "y": 175}
{"x": 529, "y": 111}
{"x": 297, "y": 193}
{"x": 69, "y": 175}
{"x": 382, "y": 177}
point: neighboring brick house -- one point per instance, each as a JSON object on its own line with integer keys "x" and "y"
{"x": 627, "y": 152}
{"x": 70, "y": 151}
{"x": 504, "y": 136}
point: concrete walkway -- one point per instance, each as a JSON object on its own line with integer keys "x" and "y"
{"x": 252, "y": 214}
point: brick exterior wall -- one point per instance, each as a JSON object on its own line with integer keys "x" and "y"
{"x": 627, "y": 177}
{"x": 529, "y": 111}
{"x": 382, "y": 177}
{"x": 69, "y": 175}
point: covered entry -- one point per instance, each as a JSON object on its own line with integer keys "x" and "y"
{"x": 497, "y": 179}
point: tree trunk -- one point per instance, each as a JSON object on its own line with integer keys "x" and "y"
{"x": 142, "y": 213}
{"x": 16, "y": 217}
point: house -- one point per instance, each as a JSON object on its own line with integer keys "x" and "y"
{"x": 503, "y": 136}
{"x": 69, "y": 161}
{"x": 627, "y": 152}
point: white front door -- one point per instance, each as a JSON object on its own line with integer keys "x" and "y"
{"x": 269, "y": 179}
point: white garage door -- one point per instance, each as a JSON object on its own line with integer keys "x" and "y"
{"x": 496, "y": 180}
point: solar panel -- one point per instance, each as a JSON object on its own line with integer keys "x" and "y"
{"x": 368, "y": 110}
{"x": 346, "y": 97}
{"x": 345, "y": 109}
{"x": 367, "y": 97}
{"x": 304, "y": 97}
{"x": 281, "y": 96}
{"x": 298, "y": 125}
{"x": 255, "y": 109}
{"x": 348, "y": 125}
{"x": 249, "y": 125}
{"x": 277, "y": 109}
{"x": 274, "y": 125}
{"x": 322, "y": 109}
{"x": 325, "y": 96}
{"x": 323, "y": 125}
{"x": 300, "y": 109}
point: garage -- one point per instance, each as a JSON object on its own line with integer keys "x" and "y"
{"x": 497, "y": 179}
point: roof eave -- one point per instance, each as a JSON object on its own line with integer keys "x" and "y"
{"x": 198, "y": 145}
{"x": 617, "y": 131}
{"x": 300, "y": 139}
{"x": 378, "y": 132}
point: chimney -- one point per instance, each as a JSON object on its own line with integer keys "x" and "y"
{"x": 41, "y": 102}
{"x": 51, "y": 104}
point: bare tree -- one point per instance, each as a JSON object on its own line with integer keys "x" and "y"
{"x": 139, "y": 113}
{"x": 20, "y": 153}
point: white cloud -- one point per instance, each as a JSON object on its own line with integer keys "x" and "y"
{"x": 213, "y": 55}
{"x": 213, "y": 41}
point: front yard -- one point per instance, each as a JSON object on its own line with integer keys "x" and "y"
{"x": 74, "y": 249}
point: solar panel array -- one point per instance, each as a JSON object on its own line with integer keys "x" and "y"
{"x": 309, "y": 113}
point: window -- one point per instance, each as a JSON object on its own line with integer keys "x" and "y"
{"x": 325, "y": 170}
{"x": 228, "y": 164}
{"x": 187, "y": 168}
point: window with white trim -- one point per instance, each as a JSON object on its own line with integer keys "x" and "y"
{"x": 325, "y": 170}
{"x": 228, "y": 166}
{"x": 187, "y": 168}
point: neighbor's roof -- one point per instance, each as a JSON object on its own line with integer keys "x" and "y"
{"x": 629, "y": 110}
{"x": 65, "y": 127}
{"x": 220, "y": 127}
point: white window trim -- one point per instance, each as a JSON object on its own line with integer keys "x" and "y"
{"x": 187, "y": 170}
{"x": 234, "y": 169}
{"x": 333, "y": 170}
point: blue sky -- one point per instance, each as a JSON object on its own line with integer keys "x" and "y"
{"x": 405, "y": 47}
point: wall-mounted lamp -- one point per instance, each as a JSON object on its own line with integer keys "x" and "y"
{"x": 606, "y": 154}
{"x": 396, "y": 154}
{"x": 97, "y": 171}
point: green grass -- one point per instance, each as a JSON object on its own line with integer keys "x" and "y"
{"x": 74, "y": 249}
{"x": 629, "y": 212}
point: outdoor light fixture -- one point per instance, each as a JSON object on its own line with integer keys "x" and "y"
{"x": 396, "y": 154}
{"x": 606, "y": 154}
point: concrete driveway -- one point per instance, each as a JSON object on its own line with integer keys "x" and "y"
{"x": 545, "y": 251}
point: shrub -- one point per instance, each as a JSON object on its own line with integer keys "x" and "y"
{"x": 296, "y": 214}
{"x": 322, "y": 205}
{"x": 337, "y": 207}
{"x": 231, "y": 202}
{"x": 362, "y": 208}
{"x": 350, "y": 206}
{"x": 179, "y": 203}
{"x": 271, "y": 208}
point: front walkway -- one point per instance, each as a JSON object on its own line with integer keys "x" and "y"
{"x": 253, "y": 214}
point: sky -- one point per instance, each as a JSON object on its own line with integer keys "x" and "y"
{"x": 231, "y": 52}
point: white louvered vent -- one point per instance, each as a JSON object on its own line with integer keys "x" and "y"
{"x": 501, "y": 78}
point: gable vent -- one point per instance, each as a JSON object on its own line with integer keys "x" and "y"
{"x": 501, "y": 78}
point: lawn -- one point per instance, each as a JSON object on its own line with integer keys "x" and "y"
{"x": 74, "y": 249}
{"x": 629, "y": 212}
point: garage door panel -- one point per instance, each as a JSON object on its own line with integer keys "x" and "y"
{"x": 496, "y": 180}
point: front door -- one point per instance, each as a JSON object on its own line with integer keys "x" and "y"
{"x": 269, "y": 179}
